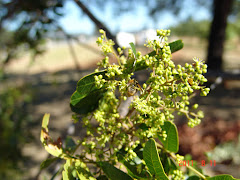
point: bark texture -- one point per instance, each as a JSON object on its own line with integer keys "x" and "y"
{"x": 221, "y": 10}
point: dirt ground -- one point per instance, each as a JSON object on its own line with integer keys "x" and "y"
{"x": 54, "y": 81}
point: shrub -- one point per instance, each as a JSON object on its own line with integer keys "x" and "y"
{"x": 132, "y": 140}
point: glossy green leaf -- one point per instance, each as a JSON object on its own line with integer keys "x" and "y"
{"x": 221, "y": 177}
{"x": 85, "y": 99}
{"x": 176, "y": 45}
{"x": 87, "y": 84}
{"x": 88, "y": 103}
{"x": 194, "y": 178}
{"x": 151, "y": 157}
{"x": 112, "y": 172}
{"x": 171, "y": 143}
{"x": 47, "y": 163}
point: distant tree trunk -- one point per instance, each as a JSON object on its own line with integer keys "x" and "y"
{"x": 221, "y": 10}
{"x": 97, "y": 22}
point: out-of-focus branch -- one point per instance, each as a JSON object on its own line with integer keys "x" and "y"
{"x": 97, "y": 22}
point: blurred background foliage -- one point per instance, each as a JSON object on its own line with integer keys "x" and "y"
{"x": 37, "y": 20}
{"x": 34, "y": 45}
{"x": 13, "y": 129}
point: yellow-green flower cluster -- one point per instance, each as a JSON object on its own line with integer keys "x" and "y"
{"x": 166, "y": 91}
{"x": 106, "y": 45}
{"x": 113, "y": 70}
{"x": 177, "y": 175}
{"x": 99, "y": 81}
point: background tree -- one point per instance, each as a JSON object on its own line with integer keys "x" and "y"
{"x": 221, "y": 11}
{"x": 40, "y": 17}
{"x": 34, "y": 20}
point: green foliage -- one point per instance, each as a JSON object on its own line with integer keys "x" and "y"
{"x": 151, "y": 157}
{"x": 233, "y": 30}
{"x": 170, "y": 140}
{"x": 114, "y": 138}
{"x": 112, "y": 172}
{"x": 31, "y": 31}
{"x": 13, "y": 119}
{"x": 221, "y": 177}
{"x": 201, "y": 29}
{"x": 192, "y": 28}
{"x": 47, "y": 163}
{"x": 85, "y": 99}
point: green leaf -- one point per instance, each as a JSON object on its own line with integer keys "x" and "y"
{"x": 45, "y": 121}
{"x": 171, "y": 142}
{"x": 88, "y": 103}
{"x": 151, "y": 157}
{"x": 168, "y": 163}
{"x": 102, "y": 177}
{"x": 44, "y": 130}
{"x": 76, "y": 168}
{"x": 66, "y": 173}
{"x": 139, "y": 151}
{"x": 81, "y": 176}
{"x": 82, "y": 170}
{"x": 85, "y": 99}
{"x": 87, "y": 84}
{"x": 133, "y": 48}
{"x": 69, "y": 144}
{"x": 47, "y": 163}
{"x": 133, "y": 170}
{"x": 176, "y": 45}
{"x": 194, "y": 178}
{"x": 134, "y": 167}
{"x": 143, "y": 126}
{"x": 221, "y": 177}
{"x": 112, "y": 172}
{"x": 50, "y": 146}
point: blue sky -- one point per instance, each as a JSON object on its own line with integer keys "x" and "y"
{"x": 75, "y": 22}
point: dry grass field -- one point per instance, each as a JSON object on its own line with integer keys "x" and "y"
{"x": 58, "y": 56}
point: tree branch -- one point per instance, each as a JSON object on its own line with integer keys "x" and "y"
{"x": 97, "y": 23}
